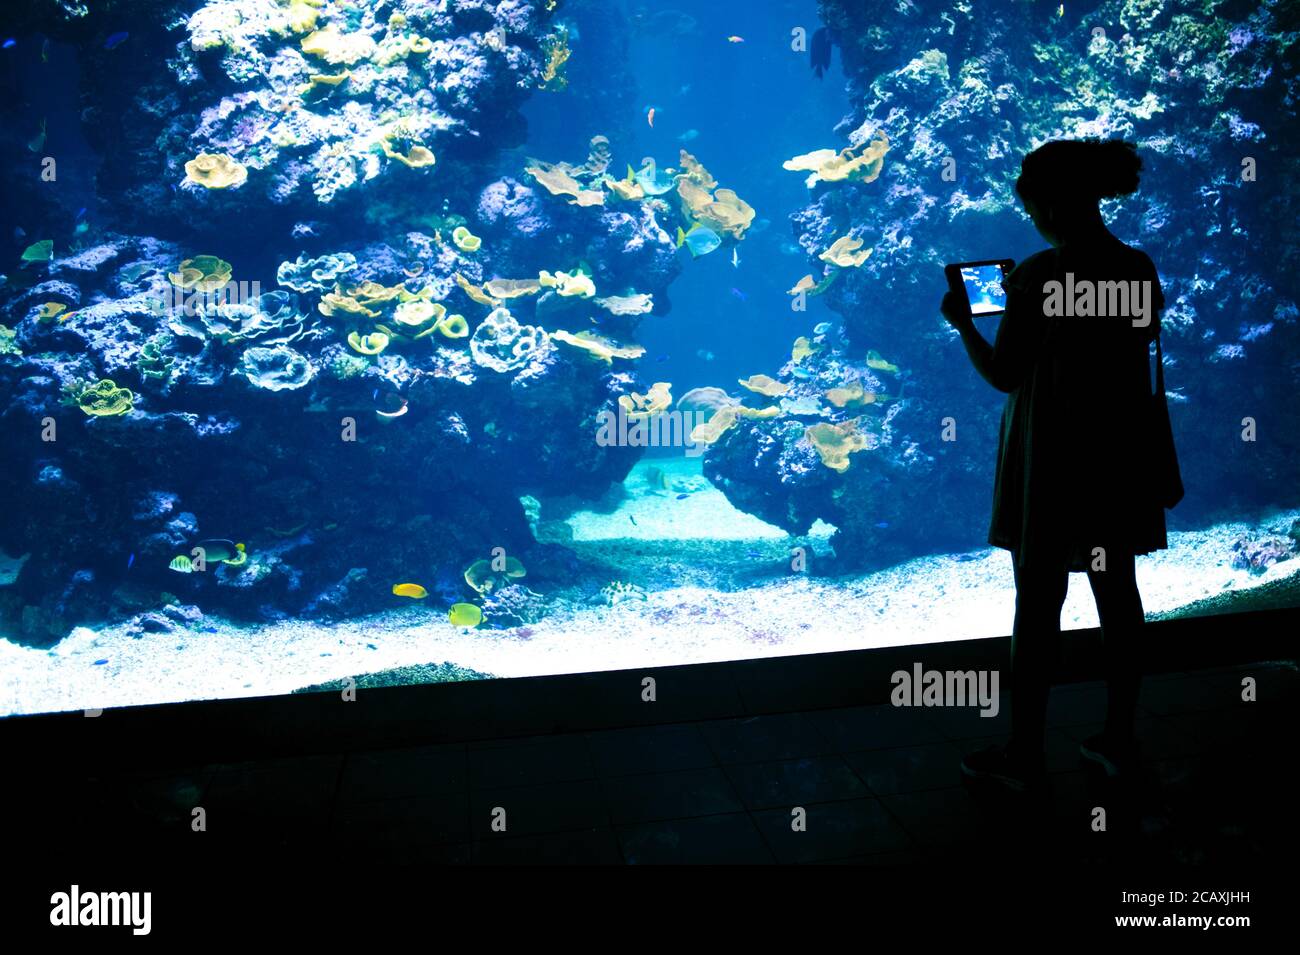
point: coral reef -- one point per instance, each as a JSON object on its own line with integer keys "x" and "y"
{"x": 344, "y": 392}
{"x": 947, "y": 99}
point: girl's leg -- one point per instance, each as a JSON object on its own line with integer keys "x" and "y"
{"x": 1035, "y": 651}
{"x": 1119, "y": 607}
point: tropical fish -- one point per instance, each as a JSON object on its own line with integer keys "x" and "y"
{"x": 687, "y": 136}
{"x": 9, "y": 44}
{"x": 821, "y": 328}
{"x": 1060, "y": 11}
{"x": 115, "y": 40}
{"x": 682, "y": 497}
{"x": 701, "y": 240}
{"x": 130, "y": 561}
{"x": 650, "y": 117}
{"x": 37, "y": 142}
{"x": 704, "y": 354}
{"x": 881, "y": 525}
{"x": 465, "y": 615}
{"x": 633, "y": 520}
{"x": 735, "y": 39}
{"x": 735, "y": 257}
{"x": 414, "y": 591}
{"x": 654, "y": 181}
{"x": 737, "y": 293}
{"x": 100, "y": 663}
{"x": 182, "y": 565}
{"x": 820, "y": 53}
{"x": 661, "y": 358}
{"x": 228, "y": 552}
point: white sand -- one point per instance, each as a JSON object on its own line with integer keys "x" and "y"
{"x": 926, "y": 600}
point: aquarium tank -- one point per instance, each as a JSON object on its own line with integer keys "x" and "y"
{"x": 412, "y": 341}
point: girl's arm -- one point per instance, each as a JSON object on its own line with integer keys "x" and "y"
{"x": 1005, "y": 363}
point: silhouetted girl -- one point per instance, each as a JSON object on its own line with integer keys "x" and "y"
{"x": 1073, "y": 489}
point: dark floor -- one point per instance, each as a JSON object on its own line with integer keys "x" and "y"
{"x": 880, "y": 786}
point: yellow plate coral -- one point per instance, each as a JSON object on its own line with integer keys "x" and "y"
{"x": 764, "y": 385}
{"x": 215, "y": 171}
{"x": 844, "y": 253}
{"x": 601, "y": 349}
{"x": 859, "y": 164}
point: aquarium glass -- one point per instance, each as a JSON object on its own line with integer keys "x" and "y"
{"x": 409, "y": 341}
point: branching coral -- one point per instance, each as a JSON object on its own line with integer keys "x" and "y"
{"x": 556, "y": 50}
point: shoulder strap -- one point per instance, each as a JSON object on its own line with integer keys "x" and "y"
{"x": 1160, "y": 369}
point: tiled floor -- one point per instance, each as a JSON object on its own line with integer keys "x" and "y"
{"x": 866, "y": 784}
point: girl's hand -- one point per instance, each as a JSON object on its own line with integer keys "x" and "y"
{"x": 956, "y": 310}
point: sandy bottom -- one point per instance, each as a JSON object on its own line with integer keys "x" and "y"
{"x": 717, "y": 588}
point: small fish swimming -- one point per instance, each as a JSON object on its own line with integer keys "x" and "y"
{"x": 735, "y": 39}
{"x": 414, "y": 591}
{"x": 115, "y": 40}
{"x": 130, "y": 561}
{"x": 633, "y": 520}
{"x": 687, "y": 136}
{"x": 661, "y": 358}
{"x": 704, "y": 355}
{"x": 881, "y": 525}
{"x": 737, "y": 293}
{"x": 735, "y": 257}
{"x": 650, "y": 117}
{"x": 9, "y": 44}
{"x": 682, "y": 497}
{"x": 821, "y": 328}
{"x": 80, "y": 212}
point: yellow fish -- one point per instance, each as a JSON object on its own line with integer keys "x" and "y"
{"x": 414, "y": 591}
{"x": 465, "y": 615}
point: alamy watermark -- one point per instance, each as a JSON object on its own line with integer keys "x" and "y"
{"x": 1086, "y": 299}
{"x": 921, "y": 687}
{"x": 664, "y": 429}
{"x": 176, "y": 300}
